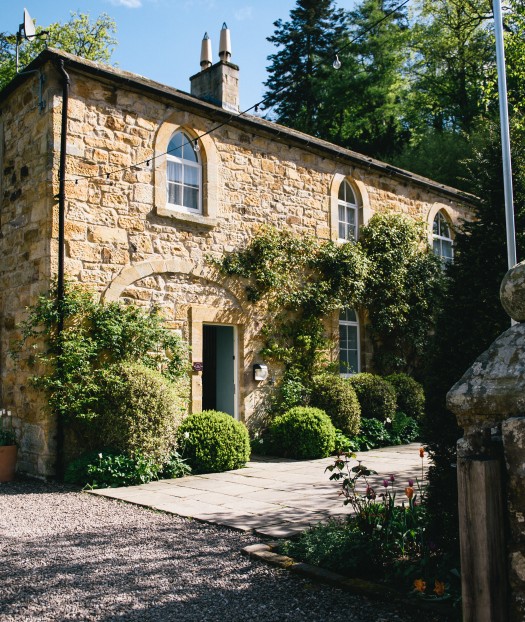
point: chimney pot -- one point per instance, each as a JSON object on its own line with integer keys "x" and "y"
{"x": 206, "y": 55}
{"x": 225, "y": 47}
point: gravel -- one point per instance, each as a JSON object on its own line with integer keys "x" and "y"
{"x": 65, "y": 555}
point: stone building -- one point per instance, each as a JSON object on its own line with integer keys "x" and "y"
{"x": 154, "y": 181}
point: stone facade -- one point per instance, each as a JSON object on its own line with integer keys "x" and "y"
{"x": 124, "y": 240}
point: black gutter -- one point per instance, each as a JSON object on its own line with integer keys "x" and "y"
{"x": 61, "y": 248}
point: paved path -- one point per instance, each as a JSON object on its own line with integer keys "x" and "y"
{"x": 271, "y": 496}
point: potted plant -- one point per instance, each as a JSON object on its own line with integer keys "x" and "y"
{"x": 8, "y": 450}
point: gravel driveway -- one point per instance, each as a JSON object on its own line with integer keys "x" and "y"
{"x": 65, "y": 555}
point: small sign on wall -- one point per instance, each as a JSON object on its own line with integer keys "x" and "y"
{"x": 197, "y": 366}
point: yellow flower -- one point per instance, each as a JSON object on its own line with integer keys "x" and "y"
{"x": 409, "y": 492}
{"x": 439, "y": 587}
{"x": 420, "y": 585}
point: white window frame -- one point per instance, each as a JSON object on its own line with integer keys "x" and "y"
{"x": 185, "y": 163}
{"x": 442, "y": 239}
{"x": 347, "y": 207}
{"x": 353, "y": 324}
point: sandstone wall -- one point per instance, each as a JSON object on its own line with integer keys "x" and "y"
{"x": 120, "y": 239}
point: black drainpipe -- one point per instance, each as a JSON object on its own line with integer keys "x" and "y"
{"x": 59, "y": 465}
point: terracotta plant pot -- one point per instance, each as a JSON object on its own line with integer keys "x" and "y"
{"x": 8, "y": 455}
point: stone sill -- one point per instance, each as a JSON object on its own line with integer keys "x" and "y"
{"x": 197, "y": 219}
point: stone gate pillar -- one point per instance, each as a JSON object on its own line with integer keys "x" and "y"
{"x": 489, "y": 403}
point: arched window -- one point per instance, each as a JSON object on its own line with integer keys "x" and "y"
{"x": 441, "y": 238}
{"x": 184, "y": 175}
{"x": 348, "y": 212}
{"x": 349, "y": 353}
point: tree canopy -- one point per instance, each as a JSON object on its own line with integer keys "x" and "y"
{"x": 91, "y": 39}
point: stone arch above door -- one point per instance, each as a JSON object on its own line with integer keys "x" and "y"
{"x": 156, "y": 267}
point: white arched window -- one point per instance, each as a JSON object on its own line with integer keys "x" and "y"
{"x": 348, "y": 212}
{"x": 184, "y": 175}
{"x": 349, "y": 354}
{"x": 441, "y": 238}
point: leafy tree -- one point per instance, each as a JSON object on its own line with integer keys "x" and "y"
{"x": 472, "y": 315}
{"x": 295, "y": 86}
{"x": 366, "y": 96}
{"x": 452, "y": 50}
{"x": 93, "y": 40}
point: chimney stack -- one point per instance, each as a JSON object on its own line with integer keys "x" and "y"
{"x": 219, "y": 83}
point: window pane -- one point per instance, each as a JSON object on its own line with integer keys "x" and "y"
{"x": 191, "y": 176}
{"x": 446, "y": 250}
{"x": 343, "y": 362}
{"x": 175, "y": 144}
{"x": 188, "y": 152}
{"x": 347, "y": 315}
{"x": 191, "y": 197}
{"x": 352, "y": 362}
{"x": 174, "y": 194}
{"x": 174, "y": 171}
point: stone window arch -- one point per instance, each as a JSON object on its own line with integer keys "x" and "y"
{"x": 179, "y": 149}
{"x": 349, "y": 207}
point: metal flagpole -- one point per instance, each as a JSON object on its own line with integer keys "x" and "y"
{"x": 505, "y": 135}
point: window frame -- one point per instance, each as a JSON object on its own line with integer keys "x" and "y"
{"x": 442, "y": 239}
{"x": 184, "y": 163}
{"x": 352, "y": 324}
{"x": 347, "y": 206}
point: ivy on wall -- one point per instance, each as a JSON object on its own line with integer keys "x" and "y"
{"x": 390, "y": 272}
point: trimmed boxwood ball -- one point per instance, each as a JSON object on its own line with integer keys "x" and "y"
{"x": 213, "y": 442}
{"x": 339, "y": 401}
{"x": 304, "y": 433}
{"x": 376, "y": 396}
{"x": 409, "y": 395}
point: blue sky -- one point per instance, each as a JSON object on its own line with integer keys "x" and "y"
{"x": 161, "y": 39}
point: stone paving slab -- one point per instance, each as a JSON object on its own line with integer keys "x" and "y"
{"x": 274, "y": 497}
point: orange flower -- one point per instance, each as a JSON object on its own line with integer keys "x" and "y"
{"x": 439, "y": 587}
{"x": 420, "y": 585}
{"x": 421, "y": 452}
{"x": 409, "y": 492}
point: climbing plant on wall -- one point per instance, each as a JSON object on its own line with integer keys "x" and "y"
{"x": 390, "y": 273}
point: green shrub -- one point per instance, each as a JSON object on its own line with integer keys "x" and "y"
{"x": 110, "y": 470}
{"x": 213, "y": 442}
{"x": 410, "y": 396}
{"x": 373, "y": 434}
{"x": 339, "y": 401}
{"x": 141, "y": 411}
{"x": 174, "y": 467}
{"x": 376, "y": 396}
{"x": 342, "y": 443}
{"x": 405, "y": 429}
{"x": 303, "y": 433}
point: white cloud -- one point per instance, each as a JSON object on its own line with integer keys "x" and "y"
{"x": 245, "y": 13}
{"x": 129, "y": 4}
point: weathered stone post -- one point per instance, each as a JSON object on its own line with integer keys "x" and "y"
{"x": 489, "y": 403}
